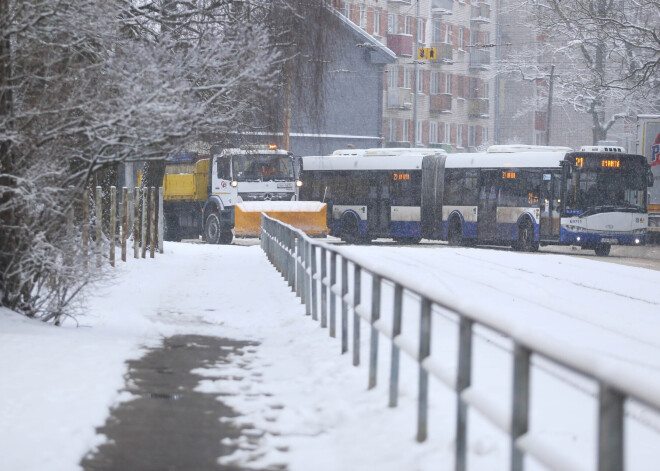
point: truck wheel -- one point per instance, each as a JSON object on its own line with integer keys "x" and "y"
{"x": 172, "y": 229}
{"x": 212, "y": 229}
{"x": 226, "y": 236}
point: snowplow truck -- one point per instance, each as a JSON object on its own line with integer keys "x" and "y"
{"x": 223, "y": 195}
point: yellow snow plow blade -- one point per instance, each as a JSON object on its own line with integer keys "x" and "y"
{"x": 308, "y": 216}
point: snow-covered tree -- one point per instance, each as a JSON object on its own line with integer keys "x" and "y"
{"x": 87, "y": 84}
{"x": 604, "y": 55}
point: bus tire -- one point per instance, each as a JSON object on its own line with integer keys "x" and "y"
{"x": 408, "y": 240}
{"x": 350, "y": 228}
{"x": 526, "y": 241}
{"x": 226, "y": 236}
{"x": 602, "y": 250}
{"x": 455, "y": 232}
{"x": 212, "y": 229}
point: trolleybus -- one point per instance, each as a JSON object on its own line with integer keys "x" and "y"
{"x": 521, "y": 197}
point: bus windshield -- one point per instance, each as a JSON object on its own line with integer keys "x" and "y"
{"x": 604, "y": 184}
{"x": 262, "y": 167}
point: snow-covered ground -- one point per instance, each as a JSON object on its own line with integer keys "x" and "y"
{"x": 60, "y": 383}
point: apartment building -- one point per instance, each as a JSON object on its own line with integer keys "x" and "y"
{"x": 455, "y": 106}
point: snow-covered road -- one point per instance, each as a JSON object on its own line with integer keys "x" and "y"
{"x": 311, "y": 404}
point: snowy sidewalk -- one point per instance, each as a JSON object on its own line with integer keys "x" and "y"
{"x": 310, "y": 405}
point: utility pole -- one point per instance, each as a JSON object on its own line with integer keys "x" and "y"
{"x": 549, "y": 113}
{"x": 416, "y": 62}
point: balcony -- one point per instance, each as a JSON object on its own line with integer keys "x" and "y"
{"x": 440, "y": 103}
{"x": 442, "y": 7}
{"x": 480, "y": 13}
{"x": 445, "y": 53}
{"x": 478, "y": 107}
{"x": 400, "y": 44}
{"x": 479, "y": 59}
{"x": 399, "y": 98}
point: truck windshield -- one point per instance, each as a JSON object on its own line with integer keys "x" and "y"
{"x": 606, "y": 185}
{"x": 262, "y": 167}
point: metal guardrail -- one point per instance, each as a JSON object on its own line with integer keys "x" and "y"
{"x": 294, "y": 255}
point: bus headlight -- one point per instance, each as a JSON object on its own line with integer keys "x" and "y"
{"x": 234, "y": 183}
{"x": 578, "y": 238}
{"x": 637, "y": 241}
{"x": 298, "y": 183}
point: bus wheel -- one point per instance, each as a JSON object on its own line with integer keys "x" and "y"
{"x": 408, "y": 240}
{"x": 350, "y": 229}
{"x": 526, "y": 240}
{"x": 455, "y": 235}
{"x": 602, "y": 250}
{"x": 212, "y": 229}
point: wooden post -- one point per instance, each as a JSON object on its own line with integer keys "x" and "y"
{"x": 85, "y": 227}
{"x": 113, "y": 222}
{"x": 99, "y": 225}
{"x": 161, "y": 230}
{"x": 136, "y": 222}
{"x": 124, "y": 222}
{"x": 152, "y": 221}
{"x": 143, "y": 239}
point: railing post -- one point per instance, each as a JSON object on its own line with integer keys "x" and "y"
{"x": 291, "y": 255}
{"x": 357, "y": 295}
{"x": 324, "y": 288}
{"x": 333, "y": 296}
{"x": 161, "y": 225}
{"x": 124, "y": 221}
{"x": 396, "y": 331}
{"x": 315, "y": 302}
{"x": 99, "y": 226}
{"x": 375, "y": 315}
{"x": 344, "y": 305}
{"x": 113, "y": 223}
{"x": 424, "y": 352}
{"x": 464, "y": 379}
{"x": 610, "y": 429}
{"x": 520, "y": 405}
{"x": 136, "y": 223}
{"x": 300, "y": 279}
{"x": 308, "y": 279}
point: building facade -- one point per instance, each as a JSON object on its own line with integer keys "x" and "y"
{"x": 453, "y": 92}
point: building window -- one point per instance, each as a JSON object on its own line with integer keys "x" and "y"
{"x": 472, "y": 136}
{"x": 392, "y": 76}
{"x": 391, "y": 23}
{"x": 447, "y": 33}
{"x": 433, "y": 132}
{"x": 406, "y": 78}
{"x": 420, "y": 130}
{"x": 406, "y": 131}
{"x": 448, "y": 83}
{"x": 420, "y": 30}
{"x": 363, "y": 17}
{"x": 345, "y": 9}
{"x": 377, "y": 22}
{"x": 485, "y": 89}
{"x": 435, "y": 83}
{"x": 447, "y": 135}
{"x": 408, "y": 25}
{"x": 390, "y": 130}
{"x": 419, "y": 79}
{"x": 460, "y": 38}
{"x": 459, "y": 135}
{"x": 436, "y": 34}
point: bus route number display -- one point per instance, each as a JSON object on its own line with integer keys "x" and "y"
{"x": 579, "y": 162}
{"x": 506, "y": 175}
{"x": 401, "y": 176}
{"x": 610, "y": 163}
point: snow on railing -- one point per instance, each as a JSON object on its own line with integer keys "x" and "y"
{"x": 294, "y": 255}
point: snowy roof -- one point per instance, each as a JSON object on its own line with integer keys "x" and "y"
{"x": 367, "y": 39}
{"x": 505, "y": 160}
{"x": 411, "y": 161}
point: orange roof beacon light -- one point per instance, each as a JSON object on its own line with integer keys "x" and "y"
{"x": 273, "y": 147}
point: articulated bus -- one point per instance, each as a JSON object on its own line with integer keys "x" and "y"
{"x": 523, "y": 197}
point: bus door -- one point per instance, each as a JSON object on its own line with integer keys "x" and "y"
{"x": 489, "y": 185}
{"x": 550, "y": 203}
{"x": 378, "y": 206}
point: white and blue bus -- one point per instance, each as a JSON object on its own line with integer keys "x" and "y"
{"x": 370, "y": 193}
{"x": 523, "y": 197}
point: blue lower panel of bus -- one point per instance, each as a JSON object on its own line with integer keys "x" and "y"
{"x": 406, "y": 229}
{"x": 586, "y": 238}
{"x": 509, "y": 231}
{"x": 469, "y": 230}
{"x": 335, "y": 228}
